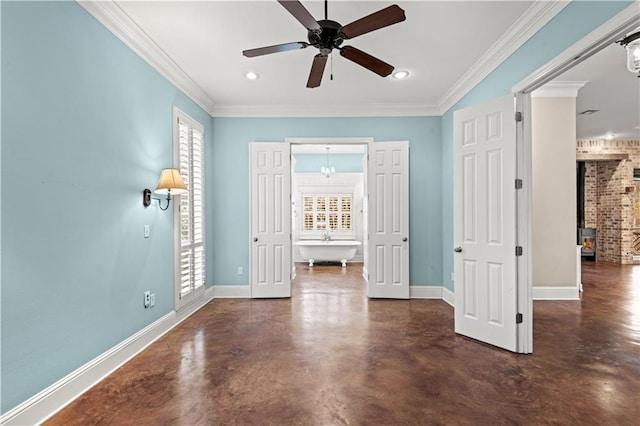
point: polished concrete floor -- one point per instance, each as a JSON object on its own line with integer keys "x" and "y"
{"x": 330, "y": 356}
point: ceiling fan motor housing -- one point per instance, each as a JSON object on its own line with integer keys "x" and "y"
{"x": 329, "y": 38}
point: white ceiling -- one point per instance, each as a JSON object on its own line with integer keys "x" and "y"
{"x": 447, "y": 46}
{"x": 612, "y": 90}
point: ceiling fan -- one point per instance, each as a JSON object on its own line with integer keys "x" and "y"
{"x": 327, "y": 35}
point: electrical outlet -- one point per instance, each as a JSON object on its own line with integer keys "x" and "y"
{"x": 240, "y": 270}
{"x": 147, "y": 299}
{"x": 152, "y": 300}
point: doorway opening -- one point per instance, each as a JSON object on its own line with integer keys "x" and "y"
{"x": 602, "y": 37}
{"x": 328, "y": 215}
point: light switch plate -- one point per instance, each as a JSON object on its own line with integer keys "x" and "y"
{"x": 147, "y": 231}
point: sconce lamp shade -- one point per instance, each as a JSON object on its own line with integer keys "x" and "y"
{"x": 170, "y": 183}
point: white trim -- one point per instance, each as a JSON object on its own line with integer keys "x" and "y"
{"x": 534, "y": 18}
{"x": 329, "y": 141}
{"x": 231, "y": 291}
{"x": 592, "y": 43}
{"x": 49, "y": 401}
{"x": 109, "y": 14}
{"x": 425, "y": 292}
{"x": 556, "y": 293}
{"x": 523, "y": 225}
{"x": 559, "y": 89}
{"x": 449, "y": 297}
{"x": 310, "y": 110}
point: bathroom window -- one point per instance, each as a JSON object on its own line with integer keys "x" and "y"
{"x": 190, "y": 256}
{"x": 327, "y": 212}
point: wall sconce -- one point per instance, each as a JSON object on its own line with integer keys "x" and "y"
{"x": 632, "y": 44}
{"x": 170, "y": 183}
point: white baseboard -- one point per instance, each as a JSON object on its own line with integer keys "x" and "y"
{"x": 425, "y": 292}
{"x": 231, "y": 291}
{"x": 49, "y": 401}
{"x": 556, "y": 293}
{"x": 449, "y": 296}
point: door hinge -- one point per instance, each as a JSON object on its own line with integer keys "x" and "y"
{"x": 518, "y": 116}
{"x": 518, "y": 318}
{"x": 518, "y": 183}
{"x": 518, "y": 250}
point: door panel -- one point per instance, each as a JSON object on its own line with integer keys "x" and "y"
{"x": 485, "y": 222}
{"x": 388, "y": 245}
{"x": 270, "y": 218}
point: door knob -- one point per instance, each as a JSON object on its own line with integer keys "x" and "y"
{"x": 404, "y": 239}
{"x": 458, "y": 249}
{"x": 255, "y": 239}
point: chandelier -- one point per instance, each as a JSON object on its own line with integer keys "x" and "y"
{"x": 325, "y": 170}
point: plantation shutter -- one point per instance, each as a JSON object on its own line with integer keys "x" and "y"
{"x": 191, "y": 251}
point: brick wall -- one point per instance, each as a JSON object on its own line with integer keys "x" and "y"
{"x": 608, "y": 205}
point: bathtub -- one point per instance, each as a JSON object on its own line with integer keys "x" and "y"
{"x": 329, "y": 251}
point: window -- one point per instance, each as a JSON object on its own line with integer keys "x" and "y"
{"x": 327, "y": 212}
{"x": 190, "y": 250}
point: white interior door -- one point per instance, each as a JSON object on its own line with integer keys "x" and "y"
{"x": 388, "y": 227}
{"x": 485, "y": 222}
{"x": 270, "y": 219}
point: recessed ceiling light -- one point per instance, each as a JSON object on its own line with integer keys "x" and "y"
{"x": 608, "y": 136}
{"x": 251, "y": 75}
{"x": 400, "y": 75}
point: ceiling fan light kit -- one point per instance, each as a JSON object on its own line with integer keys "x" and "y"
{"x": 326, "y": 35}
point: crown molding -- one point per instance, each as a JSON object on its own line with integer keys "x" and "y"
{"x": 109, "y": 14}
{"x": 537, "y": 16}
{"x": 362, "y": 110}
{"x": 584, "y": 48}
{"x": 559, "y": 89}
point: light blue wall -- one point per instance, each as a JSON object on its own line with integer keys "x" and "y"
{"x": 228, "y": 184}
{"x": 86, "y": 125}
{"x": 574, "y": 22}
{"x": 343, "y": 163}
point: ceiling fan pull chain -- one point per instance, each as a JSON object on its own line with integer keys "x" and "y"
{"x": 331, "y": 66}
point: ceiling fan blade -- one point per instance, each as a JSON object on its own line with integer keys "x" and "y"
{"x": 380, "y": 19}
{"x": 371, "y": 63}
{"x": 274, "y": 49}
{"x": 317, "y": 69}
{"x": 301, "y": 14}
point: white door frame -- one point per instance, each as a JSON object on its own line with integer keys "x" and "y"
{"x": 369, "y": 142}
{"x": 327, "y": 141}
{"x": 612, "y": 30}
